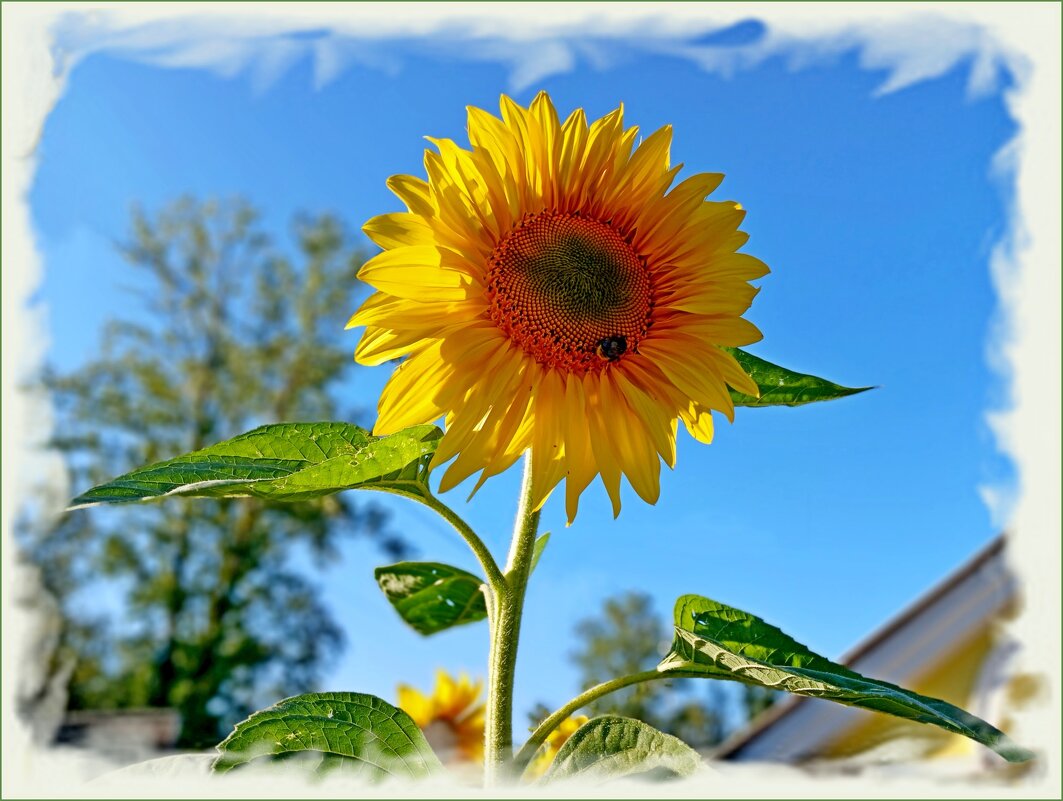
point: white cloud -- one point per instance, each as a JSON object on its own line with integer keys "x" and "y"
{"x": 534, "y": 43}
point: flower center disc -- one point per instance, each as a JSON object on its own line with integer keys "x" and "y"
{"x": 569, "y": 290}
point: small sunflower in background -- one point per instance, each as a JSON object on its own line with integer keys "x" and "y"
{"x": 451, "y": 718}
{"x": 553, "y": 292}
{"x": 558, "y": 737}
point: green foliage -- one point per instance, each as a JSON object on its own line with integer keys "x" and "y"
{"x": 197, "y": 606}
{"x": 613, "y": 747}
{"x": 537, "y": 551}
{"x": 431, "y": 596}
{"x": 332, "y": 731}
{"x": 284, "y": 462}
{"x": 628, "y": 636}
{"x": 782, "y": 387}
{"x": 722, "y": 642}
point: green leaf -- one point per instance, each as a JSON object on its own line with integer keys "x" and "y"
{"x": 537, "y": 550}
{"x": 782, "y": 387}
{"x": 610, "y": 747}
{"x": 284, "y": 462}
{"x": 718, "y": 641}
{"x": 431, "y": 596}
{"x": 347, "y": 731}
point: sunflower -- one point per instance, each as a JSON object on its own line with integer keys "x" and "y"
{"x": 451, "y": 719}
{"x": 552, "y": 293}
{"x": 557, "y": 738}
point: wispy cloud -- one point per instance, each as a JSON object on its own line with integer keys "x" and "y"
{"x": 532, "y": 46}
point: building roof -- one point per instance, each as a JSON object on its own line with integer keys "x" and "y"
{"x": 906, "y": 647}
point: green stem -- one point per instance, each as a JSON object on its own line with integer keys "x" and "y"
{"x": 504, "y": 614}
{"x": 538, "y": 737}
{"x": 494, "y": 576}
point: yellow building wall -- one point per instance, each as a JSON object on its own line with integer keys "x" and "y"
{"x": 952, "y": 679}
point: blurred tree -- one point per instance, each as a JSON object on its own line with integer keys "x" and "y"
{"x": 197, "y": 604}
{"x": 629, "y": 637}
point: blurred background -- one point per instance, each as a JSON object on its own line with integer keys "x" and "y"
{"x": 197, "y": 206}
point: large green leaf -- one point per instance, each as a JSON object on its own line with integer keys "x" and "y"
{"x": 284, "y": 462}
{"x": 718, "y": 641}
{"x": 432, "y": 596}
{"x": 782, "y": 387}
{"x": 610, "y": 747}
{"x": 329, "y": 731}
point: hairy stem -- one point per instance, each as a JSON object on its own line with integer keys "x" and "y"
{"x": 504, "y": 615}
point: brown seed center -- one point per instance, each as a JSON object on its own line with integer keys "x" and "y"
{"x": 570, "y": 290}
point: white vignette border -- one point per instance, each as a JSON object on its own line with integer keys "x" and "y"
{"x": 912, "y": 41}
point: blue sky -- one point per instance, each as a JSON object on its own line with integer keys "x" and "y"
{"x": 877, "y": 214}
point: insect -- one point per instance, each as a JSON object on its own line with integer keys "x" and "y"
{"x": 612, "y": 348}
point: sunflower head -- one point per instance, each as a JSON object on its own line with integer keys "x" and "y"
{"x": 553, "y": 292}
{"x": 451, "y": 718}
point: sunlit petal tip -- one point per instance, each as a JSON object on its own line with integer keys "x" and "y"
{"x": 479, "y": 483}
{"x": 384, "y": 430}
{"x": 450, "y": 480}
{"x": 485, "y": 245}
{"x": 510, "y": 107}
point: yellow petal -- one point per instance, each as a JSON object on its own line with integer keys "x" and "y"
{"x": 509, "y": 435}
{"x": 396, "y": 230}
{"x": 488, "y": 133}
{"x": 548, "y": 452}
{"x": 630, "y": 442}
{"x": 414, "y": 192}
{"x": 416, "y": 705}
{"x": 599, "y": 421}
{"x": 733, "y": 373}
{"x": 656, "y": 415}
{"x": 705, "y": 297}
{"x": 681, "y": 360}
{"x": 662, "y": 221}
{"x": 641, "y": 177}
{"x": 414, "y": 273}
{"x": 501, "y": 370}
{"x": 698, "y": 422}
{"x": 486, "y": 444}
{"x": 544, "y": 116}
{"x": 409, "y": 397}
{"x": 724, "y": 330}
{"x": 388, "y": 311}
{"x": 379, "y": 345}
{"x": 581, "y": 468}
{"x": 573, "y": 148}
